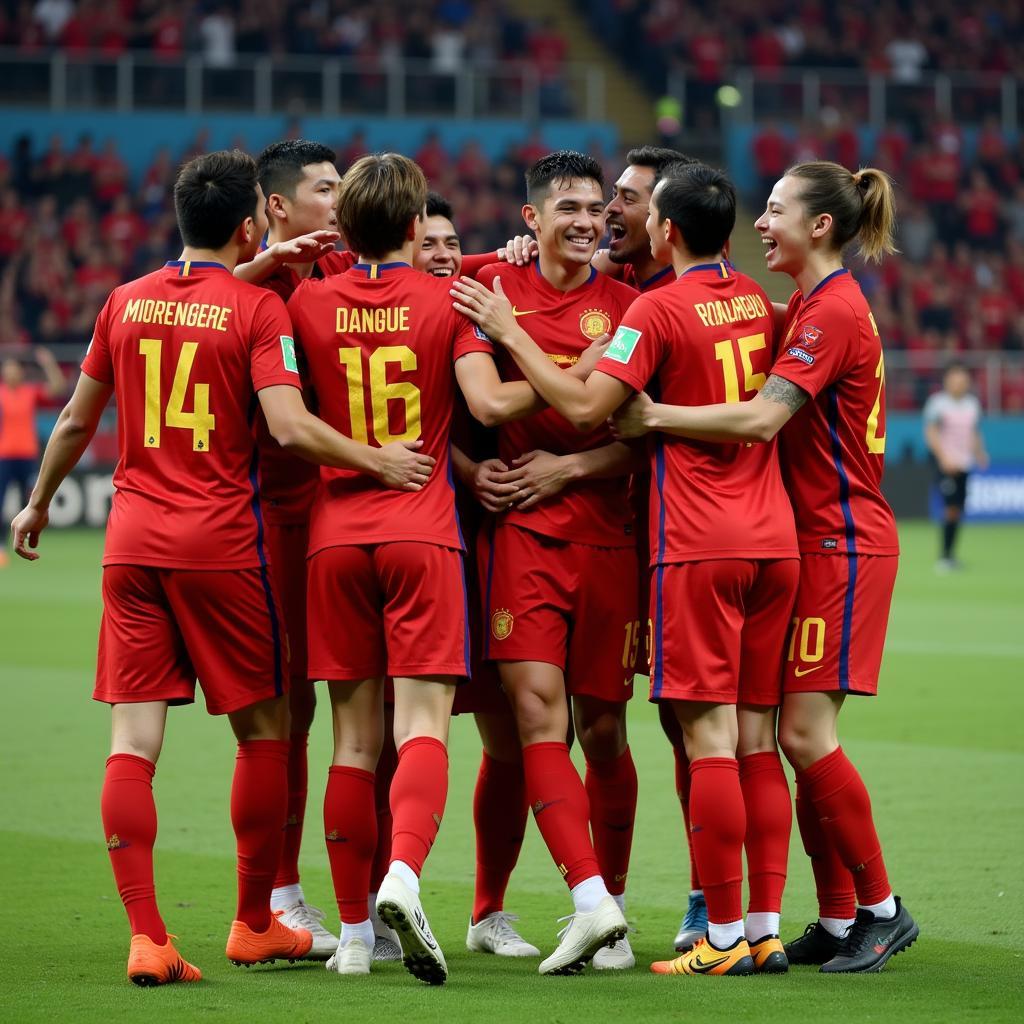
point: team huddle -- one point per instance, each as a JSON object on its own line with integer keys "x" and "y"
{"x": 498, "y": 485}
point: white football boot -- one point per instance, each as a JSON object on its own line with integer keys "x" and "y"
{"x": 495, "y": 934}
{"x": 583, "y": 936}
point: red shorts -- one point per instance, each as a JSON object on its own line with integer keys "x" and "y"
{"x": 570, "y": 605}
{"x": 162, "y": 628}
{"x": 395, "y": 609}
{"x": 718, "y": 629}
{"x": 286, "y": 546}
{"x": 839, "y": 623}
{"x": 482, "y": 693}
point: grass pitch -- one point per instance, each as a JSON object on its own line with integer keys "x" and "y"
{"x": 942, "y": 751}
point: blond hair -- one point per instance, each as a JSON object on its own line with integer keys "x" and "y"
{"x": 380, "y": 194}
{"x": 862, "y": 204}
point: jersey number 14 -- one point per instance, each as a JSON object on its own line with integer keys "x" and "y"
{"x": 200, "y": 420}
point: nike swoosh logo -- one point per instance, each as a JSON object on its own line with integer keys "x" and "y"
{"x": 798, "y": 672}
{"x": 523, "y": 312}
{"x": 702, "y": 968}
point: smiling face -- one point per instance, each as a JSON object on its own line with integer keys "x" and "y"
{"x": 312, "y": 207}
{"x": 569, "y": 222}
{"x": 787, "y": 233}
{"x": 627, "y": 215}
{"x": 439, "y": 253}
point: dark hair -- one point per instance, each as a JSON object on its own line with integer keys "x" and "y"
{"x": 701, "y": 202}
{"x": 279, "y": 166}
{"x": 955, "y": 364}
{"x": 564, "y": 165}
{"x": 438, "y": 206}
{"x": 380, "y": 194}
{"x": 657, "y": 158}
{"x": 862, "y": 204}
{"x": 213, "y": 194}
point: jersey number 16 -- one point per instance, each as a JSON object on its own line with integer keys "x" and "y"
{"x": 381, "y": 393}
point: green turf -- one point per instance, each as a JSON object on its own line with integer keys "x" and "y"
{"x": 941, "y": 750}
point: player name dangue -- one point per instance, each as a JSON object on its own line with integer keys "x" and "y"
{"x": 739, "y": 307}
{"x": 358, "y": 319}
{"x": 176, "y": 314}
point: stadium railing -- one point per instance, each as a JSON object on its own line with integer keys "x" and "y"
{"x": 872, "y": 98}
{"x": 300, "y": 85}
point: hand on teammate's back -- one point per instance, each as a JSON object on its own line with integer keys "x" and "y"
{"x": 402, "y": 468}
{"x": 519, "y": 250}
{"x": 305, "y": 248}
{"x": 537, "y": 475}
{"x": 489, "y": 310}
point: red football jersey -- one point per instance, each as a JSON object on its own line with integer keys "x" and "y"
{"x": 705, "y": 339}
{"x": 380, "y": 342}
{"x": 187, "y": 348}
{"x": 833, "y": 449}
{"x": 658, "y": 280}
{"x": 564, "y": 324}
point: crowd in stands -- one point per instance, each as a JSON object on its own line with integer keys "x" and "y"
{"x": 903, "y": 38}
{"x": 74, "y": 223}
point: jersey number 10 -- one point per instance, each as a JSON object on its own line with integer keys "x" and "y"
{"x": 381, "y": 394}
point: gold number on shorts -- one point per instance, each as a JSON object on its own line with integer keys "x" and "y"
{"x": 632, "y": 645}
{"x": 381, "y": 393}
{"x": 726, "y": 355}
{"x": 200, "y": 420}
{"x": 805, "y": 627}
{"x": 876, "y": 444}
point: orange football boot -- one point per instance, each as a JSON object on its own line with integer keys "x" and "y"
{"x": 246, "y": 947}
{"x": 707, "y": 959}
{"x": 769, "y": 956}
{"x": 150, "y": 964}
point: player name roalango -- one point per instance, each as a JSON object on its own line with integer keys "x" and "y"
{"x": 739, "y": 307}
{"x": 389, "y": 320}
{"x": 177, "y": 314}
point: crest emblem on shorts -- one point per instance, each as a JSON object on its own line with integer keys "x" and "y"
{"x": 501, "y": 623}
{"x": 594, "y": 323}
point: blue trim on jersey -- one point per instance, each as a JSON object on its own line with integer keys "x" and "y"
{"x": 455, "y": 507}
{"x": 851, "y": 537}
{"x": 644, "y": 285}
{"x": 257, "y": 511}
{"x": 487, "y": 588}
{"x": 536, "y": 268}
{"x": 658, "y": 669}
{"x": 720, "y": 265}
{"x": 825, "y": 280}
{"x": 370, "y": 268}
{"x": 180, "y": 265}
{"x": 466, "y": 650}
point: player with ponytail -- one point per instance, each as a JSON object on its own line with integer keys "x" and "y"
{"x": 826, "y": 394}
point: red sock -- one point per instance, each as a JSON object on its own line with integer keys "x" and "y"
{"x": 844, "y": 810}
{"x": 418, "y": 796}
{"x": 561, "y": 809}
{"x": 129, "y": 821}
{"x": 298, "y": 785}
{"x": 769, "y": 823}
{"x": 683, "y": 792}
{"x": 499, "y": 819}
{"x": 259, "y": 804}
{"x": 611, "y": 789}
{"x": 386, "y": 765}
{"x": 350, "y": 828}
{"x": 718, "y": 826}
{"x": 832, "y": 879}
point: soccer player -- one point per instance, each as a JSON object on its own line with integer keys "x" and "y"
{"x": 19, "y": 445}
{"x": 826, "y": 394}
{"x": 380, "y": 341}
{"x": 188, "y": 351}
{"x": 725, "y": 558}
{"x": 951, "y": 418}
{"x": 300, "y": 183}
{"x": 556, "y": 627}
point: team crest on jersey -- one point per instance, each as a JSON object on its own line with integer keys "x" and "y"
{"x": 594, "y": 323}
{"x": 501, "y": 623}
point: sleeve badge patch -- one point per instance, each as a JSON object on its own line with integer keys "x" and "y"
{"x": 501, "y": 623}
{"x": 288, "y": 353}
{"x": 478, "y": 333}
{"x": 810, "y": 336}
{"x": 623, "y": 344}
{"x": 799, "y": 353}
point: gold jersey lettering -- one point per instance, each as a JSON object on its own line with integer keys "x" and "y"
{"x": 362, "y": 320}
